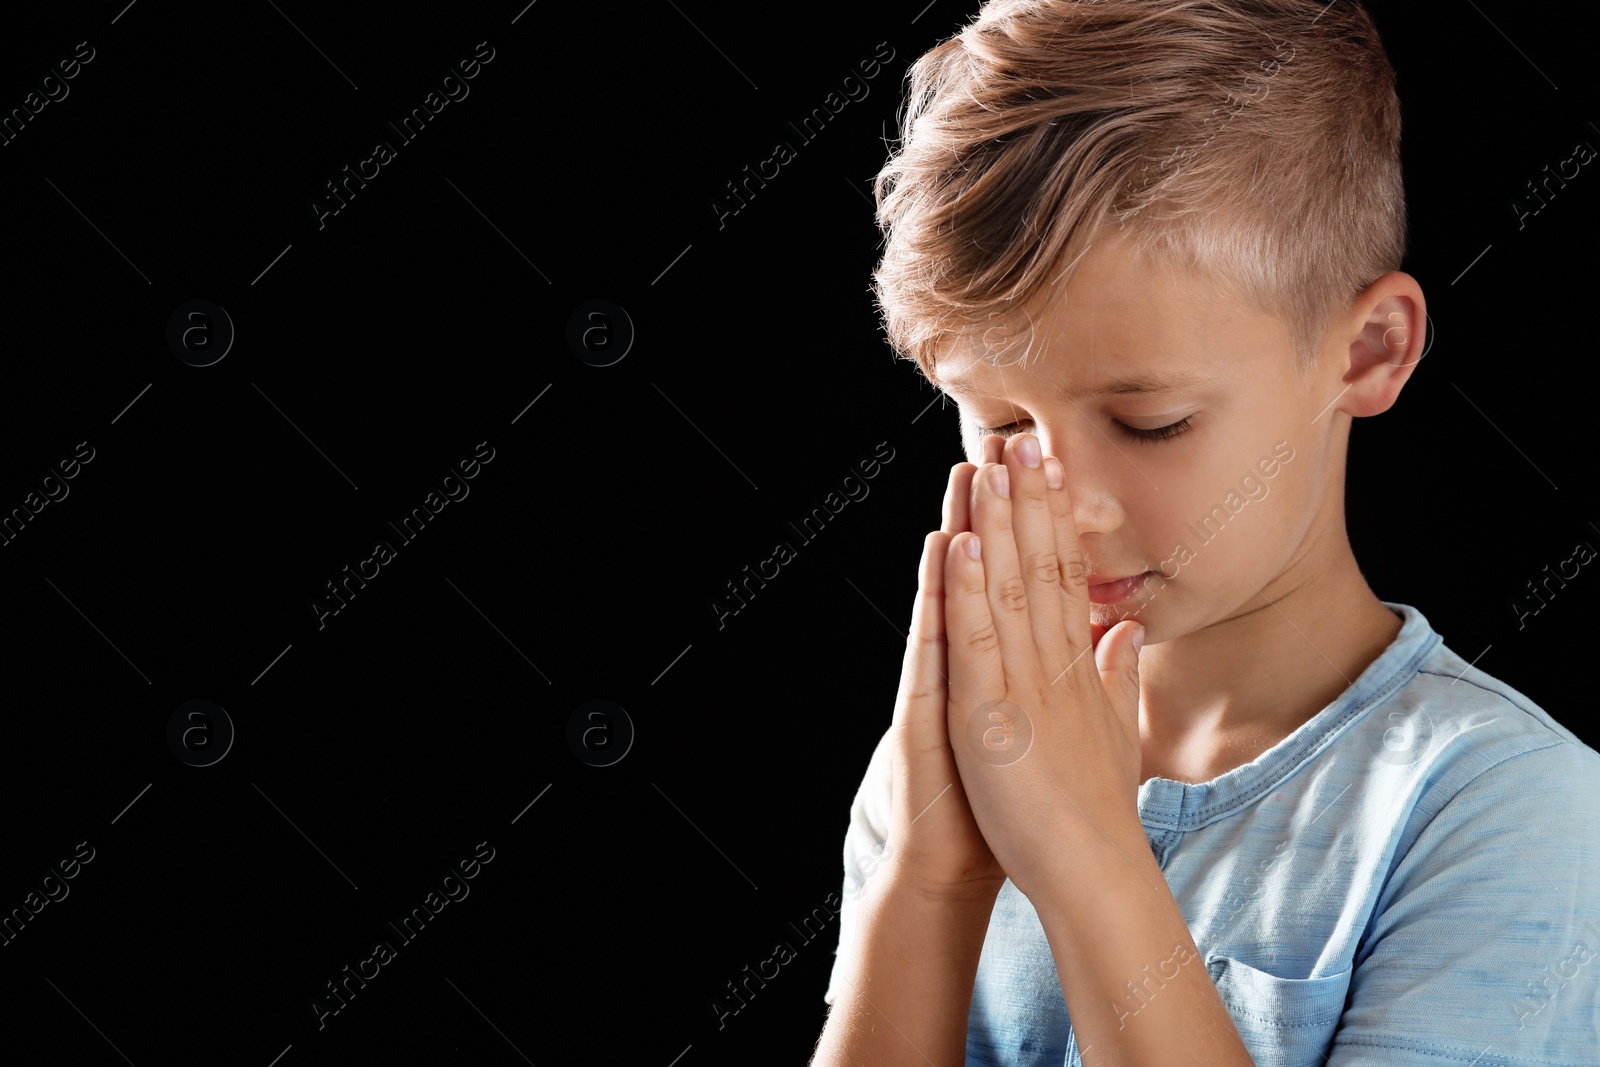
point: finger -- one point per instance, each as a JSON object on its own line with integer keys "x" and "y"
{"x": 1081, "y": 634}
{"x": 991, "y": 449}
{"x": 1007, "y": 594}
{"x": 920, "y": 706}
{"x": 973, "y": 641}
{"x": 957, "y": 512}
{"x": 1119, "y": 674}
{"x": 1034, "y": 518}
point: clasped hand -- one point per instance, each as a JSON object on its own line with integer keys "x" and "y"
{"x": 1016, "y": 728}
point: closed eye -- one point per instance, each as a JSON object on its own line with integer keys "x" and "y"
{"x": 1159, "y": 433}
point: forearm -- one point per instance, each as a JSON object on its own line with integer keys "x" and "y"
{"x": 1135, "y": 985}
{"x": 908, "y": 989}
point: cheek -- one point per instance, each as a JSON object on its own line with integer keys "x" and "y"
{"x": 1191, "y": 509}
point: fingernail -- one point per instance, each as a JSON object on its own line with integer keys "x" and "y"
{"x": 973, "y": 549}
{"x": 1138, "y": 640}
{"x": 1054, "y": 476}
{"x": 1028, "y": 451}
{"x": 1002, "y": 481}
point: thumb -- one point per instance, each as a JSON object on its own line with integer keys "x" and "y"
{"x": 1117, "y": 659}
{"x": 1096, "y": 634}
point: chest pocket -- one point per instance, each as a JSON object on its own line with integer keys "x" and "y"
{"x": 1285, "y": 1022}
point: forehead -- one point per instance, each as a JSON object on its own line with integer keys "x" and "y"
{"x": 1121, "y": 325}
{"x": 1141, "y": 383}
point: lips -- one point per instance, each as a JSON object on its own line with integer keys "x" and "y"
{"x": 1115, "y": 590}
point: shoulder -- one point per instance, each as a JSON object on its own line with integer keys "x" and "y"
{"x": 1446, "y": 757}
{"x": 1453, "y": 722}
{"x": 1449, "y": 683}
{"x": 1471, "y": 760}
{"x": 1485, "y": 900}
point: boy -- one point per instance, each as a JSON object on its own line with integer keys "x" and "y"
{"x": 1151, "y": 248}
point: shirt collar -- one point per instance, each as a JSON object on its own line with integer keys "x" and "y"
{"x": 1169, "y": 805}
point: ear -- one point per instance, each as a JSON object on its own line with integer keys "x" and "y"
{"x": 1385, "y": 334}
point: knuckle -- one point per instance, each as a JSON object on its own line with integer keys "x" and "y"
{"x": 1012, "y": 594}
{"x": 983, "y": 640}
{"x": 1074, "y": 575}
{"x": 1043, "y": 568}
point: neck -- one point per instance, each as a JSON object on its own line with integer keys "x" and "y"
{"x": 1221, "y": 695}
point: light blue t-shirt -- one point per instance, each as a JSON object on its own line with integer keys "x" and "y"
{"x": 1412, "y": 877}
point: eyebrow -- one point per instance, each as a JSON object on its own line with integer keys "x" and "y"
{"x": 1142, "y": 383}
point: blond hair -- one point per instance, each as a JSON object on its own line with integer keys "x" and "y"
{"x": 1254, "y": 141}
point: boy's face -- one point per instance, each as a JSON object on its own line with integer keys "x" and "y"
{"x": 1255, "y": 460}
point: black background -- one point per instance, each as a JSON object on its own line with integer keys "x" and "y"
{"x": 425, "y": 317}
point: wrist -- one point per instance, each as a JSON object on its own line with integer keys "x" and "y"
{"x": 934, "y": 930}
{"x": 908, "y": 886}
{"x": 1103, "y": 875}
